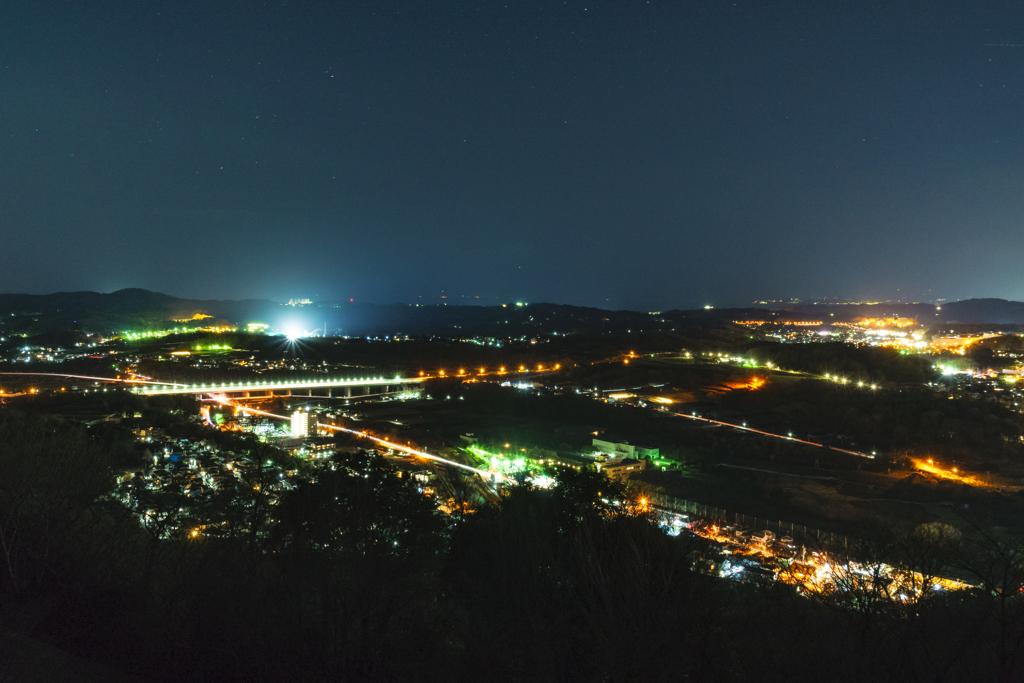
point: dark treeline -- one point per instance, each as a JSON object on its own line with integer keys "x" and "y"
{"x": 407, "y": 357}
{"x": 357, "y": 577}
{"x": 871, "y": 365}
{"x": 857, "y": 363}
{"x": 886, "y": 420}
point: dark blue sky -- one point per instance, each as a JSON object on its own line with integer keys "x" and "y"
{"x": 622, "y": 154}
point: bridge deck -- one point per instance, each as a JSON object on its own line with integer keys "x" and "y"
{"x": 236, "y": 387}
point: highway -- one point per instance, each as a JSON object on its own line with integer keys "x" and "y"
{"x": 165, "y": 389}
{"x": 789, "y": 437}
{"x": 223, "y": 400}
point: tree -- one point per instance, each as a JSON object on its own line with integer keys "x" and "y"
{"x": 51, "y": 479}
{"x": 995, "y": 559}
{"x": 357, "y": 505}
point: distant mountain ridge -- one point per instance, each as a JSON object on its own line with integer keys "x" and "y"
{"x": 968, "y": 312}
{"x": 136, "y": 309}
{"x": 135, "y": 298}
{"x": 124, "y": 309}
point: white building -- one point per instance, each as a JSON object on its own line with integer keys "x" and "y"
{"x": 624, "y": 449}
{"x": 301, "y": 423}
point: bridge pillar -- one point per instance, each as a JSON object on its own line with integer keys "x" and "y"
{"x": 348, "y": 391}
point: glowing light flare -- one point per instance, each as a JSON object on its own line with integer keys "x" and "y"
{"x": 930, "y": 467}
{"x": 753, "y": 384}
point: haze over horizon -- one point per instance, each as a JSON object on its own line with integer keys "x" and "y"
{"x": 639, "y": 156}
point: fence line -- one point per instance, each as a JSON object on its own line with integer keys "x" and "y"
{"x": 800, "y": 533}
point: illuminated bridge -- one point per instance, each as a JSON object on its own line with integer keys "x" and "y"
{"x": 290, "y": 386}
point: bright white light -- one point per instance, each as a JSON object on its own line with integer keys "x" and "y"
{"x": 543, "y": 481}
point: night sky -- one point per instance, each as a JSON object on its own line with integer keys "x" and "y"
{"x": 645, "y": 155}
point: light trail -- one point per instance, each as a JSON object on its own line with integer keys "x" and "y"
{"x": 223, "y": 400}
{"x": 102, "y": 379}
{"x": 952, "y": 475}
{"x": 777, "y": 436}
{"x": 205, "y": 412}
{"x": 468, "y": 375}
{"x": 412, "y": 451}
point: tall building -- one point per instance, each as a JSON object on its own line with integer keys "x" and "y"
{"x": 303, "y": 423}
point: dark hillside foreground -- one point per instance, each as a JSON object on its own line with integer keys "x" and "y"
{"x": 357, "y": 578}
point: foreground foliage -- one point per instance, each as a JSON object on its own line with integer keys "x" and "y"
{"x": 357, "y": 577}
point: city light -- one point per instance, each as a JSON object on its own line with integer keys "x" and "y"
{"x": 398, "y": 447}
{"x": 952, "y": 474}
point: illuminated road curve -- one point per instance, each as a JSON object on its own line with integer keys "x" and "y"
{"x": 694, "y": 416}
{"x": 98, "y": 379}
{"x": 278, "y": 385}
{"x": 223, "y": 400}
